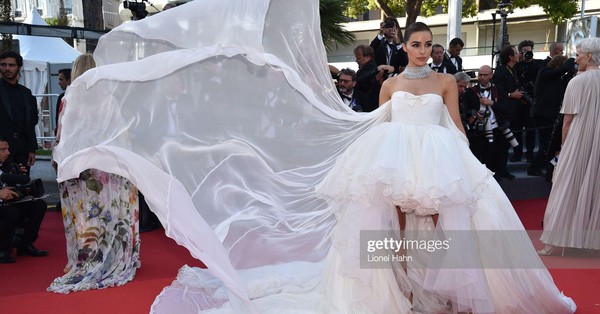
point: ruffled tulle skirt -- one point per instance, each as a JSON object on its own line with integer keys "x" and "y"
{"x": 424, "y": 170}
{"x": 427, "y": 170}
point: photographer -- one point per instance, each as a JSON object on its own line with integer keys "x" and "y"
{"x": 490, "y": 135}
{"x": 13, "y": 214}
{"x": 506, "y": 77}
{"x": 389, "y": 55}
{"x": 527, "y": 70}
{"x": 549, "y": 90}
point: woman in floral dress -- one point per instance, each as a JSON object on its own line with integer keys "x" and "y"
{"x": 100, "y": 214}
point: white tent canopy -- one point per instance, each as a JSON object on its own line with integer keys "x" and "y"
{"x": 44, "y": 49}
{"x": 37, "y": 53}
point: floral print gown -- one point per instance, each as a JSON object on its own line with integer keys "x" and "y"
{"x": 101, "y": 217}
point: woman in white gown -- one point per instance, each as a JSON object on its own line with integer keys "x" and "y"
{"x": 264, "y": 127}
{"x": 420, "y": 162}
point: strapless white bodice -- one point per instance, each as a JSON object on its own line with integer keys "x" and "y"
{"x": 416, "y": 109}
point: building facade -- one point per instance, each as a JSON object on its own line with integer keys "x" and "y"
{"x": 477, "y": 32}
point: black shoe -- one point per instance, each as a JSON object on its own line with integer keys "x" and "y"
{"x": 30, "y": 250}
{"x": 536, "y": 173}
{"x": 507, "y": 175}
{"x": 5, "y": 258}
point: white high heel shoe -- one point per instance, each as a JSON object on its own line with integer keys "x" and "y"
{"x": 548, "y": 249}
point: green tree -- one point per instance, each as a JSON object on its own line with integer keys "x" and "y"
{"x": 332, "y": 16}
{"x": 557, "y": 10}
{"x": 5, "y": 16}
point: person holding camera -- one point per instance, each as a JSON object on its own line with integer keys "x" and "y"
{"x": 13, "y": 214}
{"x": 507, "y": 78}
{"x": 486, "y": 104}
{"x": 527, "y": 70}
{"x": 550, "y": 89}
{"x": 389, "y": 54}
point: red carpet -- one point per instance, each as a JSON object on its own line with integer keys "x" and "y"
{"x": 23, "y": 284}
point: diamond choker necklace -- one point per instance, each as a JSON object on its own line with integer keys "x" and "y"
{"x": 413, "y": 73}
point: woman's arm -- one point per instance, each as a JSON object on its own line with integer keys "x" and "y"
{"x": 450, "y": 96}
{"x": 568, "y": 118}
{"x": 385, "y": 93}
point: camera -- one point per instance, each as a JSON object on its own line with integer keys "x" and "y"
{"x": 21, "y": 183}
{"x": 389, "y": 24}
{"x": 138, "y": 9}
{"x": 480, "y": 123}
{"x": 528, "y": 55}
{"x": 527, "y": 98}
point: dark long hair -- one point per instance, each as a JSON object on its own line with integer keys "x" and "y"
{"x": 414, "y": 28}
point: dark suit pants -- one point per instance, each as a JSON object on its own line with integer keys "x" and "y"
{"x": 545, "y": 131}
{"x": 494, "y": 155}
{"x": 28, "y": 215}
{"x": 521, "y": 120}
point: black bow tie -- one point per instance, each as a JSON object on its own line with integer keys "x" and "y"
{"x": 485, "y": 89}
{"x": 437, "y": 69}
{"x": 346, "y": 97}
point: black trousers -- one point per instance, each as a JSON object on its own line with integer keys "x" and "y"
{"x": 494, "y": 155}
{"x": 28, "y": 215}
{"x": 545, "y": 131}
{"x": 522, "y": 120}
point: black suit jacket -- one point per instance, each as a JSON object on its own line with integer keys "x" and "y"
{"x": 506, "y": 78}
{"x": 446, "y": 65}
{"x": 458, "y": 61}
{"x": 26, "y": 142}
{"x": 550, "y": 89}
{"x": 366, "y": 83}
{"x": 398, "y": 59}
{"x": 501, "y": 109}
{"x": 358, "y": 101}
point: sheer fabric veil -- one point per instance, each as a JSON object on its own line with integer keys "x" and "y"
{"x": 224, "y": 115}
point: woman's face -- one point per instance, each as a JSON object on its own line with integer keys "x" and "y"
{"x": 581, "y": 59}
{"x": 418, "y": 48}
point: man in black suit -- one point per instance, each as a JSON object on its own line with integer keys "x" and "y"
{"x": 389, "y": 54}
{"x": 30, "y": 214}
{"x": 550, "y": 89}
{"x": 527, "y": 70}
{"x": 18, "y": 112}
{"x": 355, "y": 99}
{"x": 438, "y": 63}
{"x": 487, "y": 103}
{"x": 455, "y": 46}
{"x": 506, "y": 77}
{"x": 64, "y": 80}
{"x": 368, "y": 76}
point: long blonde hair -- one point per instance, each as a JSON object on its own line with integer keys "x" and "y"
{"x": 83, "y": 63}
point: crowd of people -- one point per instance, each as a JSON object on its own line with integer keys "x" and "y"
{"x": 424, "y": 164}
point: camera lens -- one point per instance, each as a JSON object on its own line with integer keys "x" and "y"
{"x": 528, "y": 55}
